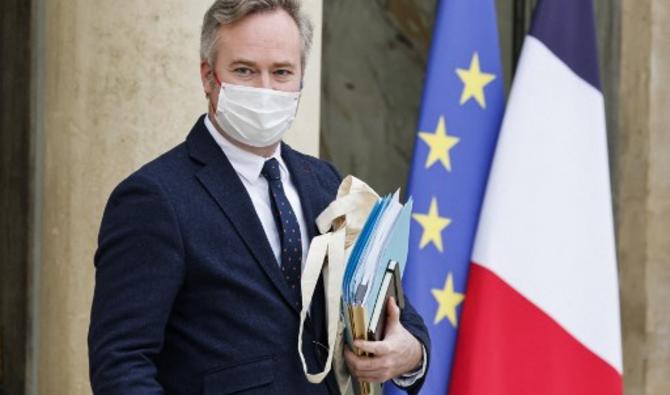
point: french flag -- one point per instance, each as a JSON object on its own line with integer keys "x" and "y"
{"x": 541, "y": 313}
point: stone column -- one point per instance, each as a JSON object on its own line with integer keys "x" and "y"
{"x": 305, "y": 133}
{"x": 658, "y": 205}
{"x": 642, "y": 188}
{"x": 119, "y": 84}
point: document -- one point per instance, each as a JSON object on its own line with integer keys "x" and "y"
{"x": 373, "y": 274}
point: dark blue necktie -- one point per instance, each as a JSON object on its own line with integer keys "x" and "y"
{"x": 287, "y": 226}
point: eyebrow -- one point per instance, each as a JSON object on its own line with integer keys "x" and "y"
{"x": 251, "y": 63}
{"x": 283, "y": 64}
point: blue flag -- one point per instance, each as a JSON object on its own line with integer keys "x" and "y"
{"x": 461, "y": 112}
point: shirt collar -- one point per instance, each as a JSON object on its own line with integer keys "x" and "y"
{"x": 246, "y": 164}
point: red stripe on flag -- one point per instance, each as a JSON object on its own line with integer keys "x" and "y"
{"x": 507, "y": 345}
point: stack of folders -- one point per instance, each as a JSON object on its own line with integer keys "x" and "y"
{"x": 373, "y": 274}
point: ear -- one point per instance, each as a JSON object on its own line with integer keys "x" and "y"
{"x": 206, "y": 76}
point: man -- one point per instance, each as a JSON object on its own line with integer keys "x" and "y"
{"x": 200, "y": 251}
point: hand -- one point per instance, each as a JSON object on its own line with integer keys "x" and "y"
{"x": 399, "y": 353}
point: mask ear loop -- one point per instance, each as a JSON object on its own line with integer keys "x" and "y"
{"x": 216, "y": 78}
{"x": 218, "y": 82}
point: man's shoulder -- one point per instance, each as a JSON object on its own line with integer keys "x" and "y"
{"x": 165, "y": 174}
{"x": 169, "y": 163}
{"x": 173, "y": 164}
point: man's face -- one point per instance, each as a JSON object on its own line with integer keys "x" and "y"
{"x": 261, "y": 50}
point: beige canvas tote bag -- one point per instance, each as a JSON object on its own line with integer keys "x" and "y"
{"x": 339, "y": 225}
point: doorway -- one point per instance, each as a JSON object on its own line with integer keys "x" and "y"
{"x": 15, "y": 181}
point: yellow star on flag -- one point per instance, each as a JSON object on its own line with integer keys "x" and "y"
{"x": 447, "y": 300}
{"x": 432, "y": 225}
{"x": 474, "y": 82}
{"x": 440, "y": 143}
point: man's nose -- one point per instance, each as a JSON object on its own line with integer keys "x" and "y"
{"x": 266, "y": 80}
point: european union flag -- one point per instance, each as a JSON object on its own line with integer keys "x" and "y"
{"x": 461, "y": 112}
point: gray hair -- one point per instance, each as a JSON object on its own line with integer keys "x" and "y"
{"x": 223, "y": 12}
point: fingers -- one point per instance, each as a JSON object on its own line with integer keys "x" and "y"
{"x": 357, "y": 363}
{"x": 392, "y": 312}
{"x": 376, "y": 348}
{"x": 370, "y": 369}
{"x": 381, "y": 348}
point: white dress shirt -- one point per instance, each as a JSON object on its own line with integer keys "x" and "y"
{"x": 248, "y": 167}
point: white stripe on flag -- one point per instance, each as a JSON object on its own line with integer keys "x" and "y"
{"x": 546, "y": 226}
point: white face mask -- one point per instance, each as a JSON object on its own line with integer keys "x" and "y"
{"x": 255, "y": 116}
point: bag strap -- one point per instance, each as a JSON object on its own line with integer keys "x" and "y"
{"x": 332, "y": 246}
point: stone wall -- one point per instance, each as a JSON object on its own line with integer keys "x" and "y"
{"x": 641, "y": 171}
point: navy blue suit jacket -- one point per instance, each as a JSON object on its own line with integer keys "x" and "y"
{"x": 189, "y": 298}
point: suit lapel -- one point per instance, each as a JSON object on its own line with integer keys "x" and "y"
{"x": 220, "y": 180}
{"x": 305, "y": 182}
